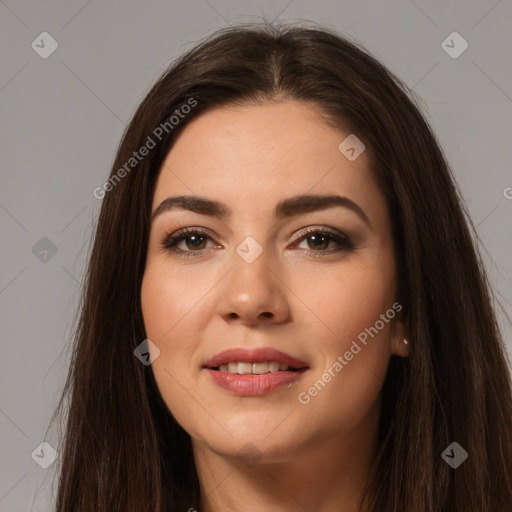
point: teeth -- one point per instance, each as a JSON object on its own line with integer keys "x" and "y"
{"x": 244, "y": 368}
{"x": 253, "y": 368}
{"x": 273, "y": 366}
{"x": 260, "y": 368}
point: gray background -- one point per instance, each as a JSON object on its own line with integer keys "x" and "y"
{"x": 62, "y": 118}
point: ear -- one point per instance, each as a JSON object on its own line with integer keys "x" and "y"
{"x": 398, "y": 333}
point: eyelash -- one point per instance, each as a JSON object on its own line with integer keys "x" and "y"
{"x": 169, "y": 242}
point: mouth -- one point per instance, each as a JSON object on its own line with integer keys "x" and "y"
{"x": 254, "y": 361}
{"x": 244, "y": 368}
{"x": 254, "y": 372}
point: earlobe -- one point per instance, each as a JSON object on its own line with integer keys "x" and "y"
{"x": 401, "y": 347}
{"x": 400, "y": 344}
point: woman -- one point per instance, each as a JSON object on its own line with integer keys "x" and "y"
{"x": 284, "y": 308}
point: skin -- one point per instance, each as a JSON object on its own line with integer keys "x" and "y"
{"x": 313, "y": 456}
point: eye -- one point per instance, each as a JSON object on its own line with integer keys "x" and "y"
{"x": 196, "y": 236}
{"x": 195, "y": 240}
{"x": 321, "y": 238}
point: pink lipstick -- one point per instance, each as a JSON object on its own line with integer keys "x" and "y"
{"x": 255, "y": 372}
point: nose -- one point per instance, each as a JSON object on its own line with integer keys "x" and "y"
{"x": 253, "y": 292}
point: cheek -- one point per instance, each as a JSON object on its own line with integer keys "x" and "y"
{"x": 159, "y": 305}
{"x": 354, "y": 347}
{"x": 353, "y": 328}
{"x": 346, "y": 302}
{"x": 168, "y": 309}
{"x": 168, "y": 301}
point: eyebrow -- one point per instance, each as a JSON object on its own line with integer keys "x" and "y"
{"x": 290, "y": 207}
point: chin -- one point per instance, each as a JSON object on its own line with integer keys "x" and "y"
{"x": 267, "y": 441}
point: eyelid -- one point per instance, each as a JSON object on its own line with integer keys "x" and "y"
{"x": 323, "y": 229}
{"x": 182, "y": 232}
{"x": 171, "y": 239}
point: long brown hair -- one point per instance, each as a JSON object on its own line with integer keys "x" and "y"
{"x": 124, "y": 451}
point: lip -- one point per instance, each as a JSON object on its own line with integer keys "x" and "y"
{"x": 254, "y": 385}
{"x": 258, "y": 355}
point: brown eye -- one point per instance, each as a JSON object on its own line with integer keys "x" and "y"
{"x": 195, "y": 240}
{"x": 319, "y": 240}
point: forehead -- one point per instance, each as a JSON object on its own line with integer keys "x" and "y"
{"x": 253, "y": 156}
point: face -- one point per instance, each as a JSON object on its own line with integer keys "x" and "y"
{"x": 272, "y": 281}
